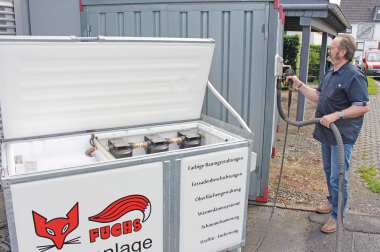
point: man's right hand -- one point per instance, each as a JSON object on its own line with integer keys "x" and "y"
{"x": 295, "y": 80}
{"x": 308, "y": 92}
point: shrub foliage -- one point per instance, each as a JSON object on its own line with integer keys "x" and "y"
{"x": 291, "y": 50}
{"x": 314, "y": 60}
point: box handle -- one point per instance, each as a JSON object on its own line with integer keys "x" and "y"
{"x": 229, "y": 107}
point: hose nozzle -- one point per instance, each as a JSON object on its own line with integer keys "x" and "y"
{"x": 290, "y": 72}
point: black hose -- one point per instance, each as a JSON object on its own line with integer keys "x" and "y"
{"x": 279, "y": 179}
{"x": 339, "y": 141}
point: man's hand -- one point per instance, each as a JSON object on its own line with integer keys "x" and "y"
{"x": 308, "y": 92}
{"x": 327, "y": 119}
{"x": 296, "y": 81}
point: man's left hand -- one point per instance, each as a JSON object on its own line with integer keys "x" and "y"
{"x": 327, "y": 119}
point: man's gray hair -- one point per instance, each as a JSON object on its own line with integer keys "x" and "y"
{"x": 347, "y": 42}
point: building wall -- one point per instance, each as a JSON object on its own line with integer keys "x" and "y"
{"x": 369, "y": 43}
{"x": 335, "y": 2}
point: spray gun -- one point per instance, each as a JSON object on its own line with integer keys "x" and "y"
{"x": 290, "y": 72}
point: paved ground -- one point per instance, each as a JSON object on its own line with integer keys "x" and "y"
{"x": 4, "y": 238}
{"x": 365, "y": 152}
{"x": 296, "y": 230}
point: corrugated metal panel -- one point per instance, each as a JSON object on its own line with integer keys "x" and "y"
{"x": 52, "y": 17}
{"x": 238, "y": 69}
{"x": 7, "y": 18}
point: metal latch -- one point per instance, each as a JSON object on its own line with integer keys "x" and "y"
{"x": 264, "y": 29}
{"x": 88, "y": 30}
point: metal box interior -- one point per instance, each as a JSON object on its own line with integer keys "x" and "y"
{"x": 69, "y": 151}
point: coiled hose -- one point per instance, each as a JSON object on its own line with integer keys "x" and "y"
{"x": 339, "y": 141}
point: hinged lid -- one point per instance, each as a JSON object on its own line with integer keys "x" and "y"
{"x": 51, "y": 87}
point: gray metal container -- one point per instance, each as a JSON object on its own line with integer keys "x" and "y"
{"x": 181, "y": 200}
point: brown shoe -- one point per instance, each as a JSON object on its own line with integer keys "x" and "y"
{"x": 330, "y": 226}
{"x": 324, "y": 208}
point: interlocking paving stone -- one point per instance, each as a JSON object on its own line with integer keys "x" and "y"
{"x": 282, "y": 240}
{"x": 366, "y": 152}
{"x": 289, "y": 218}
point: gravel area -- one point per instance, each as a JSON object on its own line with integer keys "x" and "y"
{"x": 303, "y": 182}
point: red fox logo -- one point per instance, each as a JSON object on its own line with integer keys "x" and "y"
{"x": 57, "y": 229}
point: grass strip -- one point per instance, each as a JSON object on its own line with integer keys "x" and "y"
{"x": 373, "y": 88}
{"x": 369, "y": 174}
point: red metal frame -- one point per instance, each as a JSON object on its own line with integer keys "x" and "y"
{"x": 265, "y": 199}
{"x": 80, "y": 6}
{"x": 276, "y": 3}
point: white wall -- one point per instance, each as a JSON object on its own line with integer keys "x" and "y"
{"x": 315, "y": 37}
{"x": 335, "y": 2}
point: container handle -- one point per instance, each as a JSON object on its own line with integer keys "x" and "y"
{"x": 228, "y": 106}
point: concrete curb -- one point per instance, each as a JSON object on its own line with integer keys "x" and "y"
{"x": 285, "y": 206}
{"x": 302, "y": 208}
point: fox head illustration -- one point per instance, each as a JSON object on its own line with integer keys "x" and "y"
{"x": 56, "y": 229}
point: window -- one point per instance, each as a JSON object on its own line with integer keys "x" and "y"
{"x": 359, "y": 46}
{"x": 377, "y": 14}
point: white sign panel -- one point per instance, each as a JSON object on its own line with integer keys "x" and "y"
{"x": 366, "y": 31}
{"x": 213, "y": 195}
{"x": 116, "y": 210}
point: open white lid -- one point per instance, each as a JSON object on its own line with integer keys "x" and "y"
{"x": 51, "y": 85}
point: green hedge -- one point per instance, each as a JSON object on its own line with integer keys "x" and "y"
{"x": 314, "y": 60}
{"x": 291, "y": 50}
